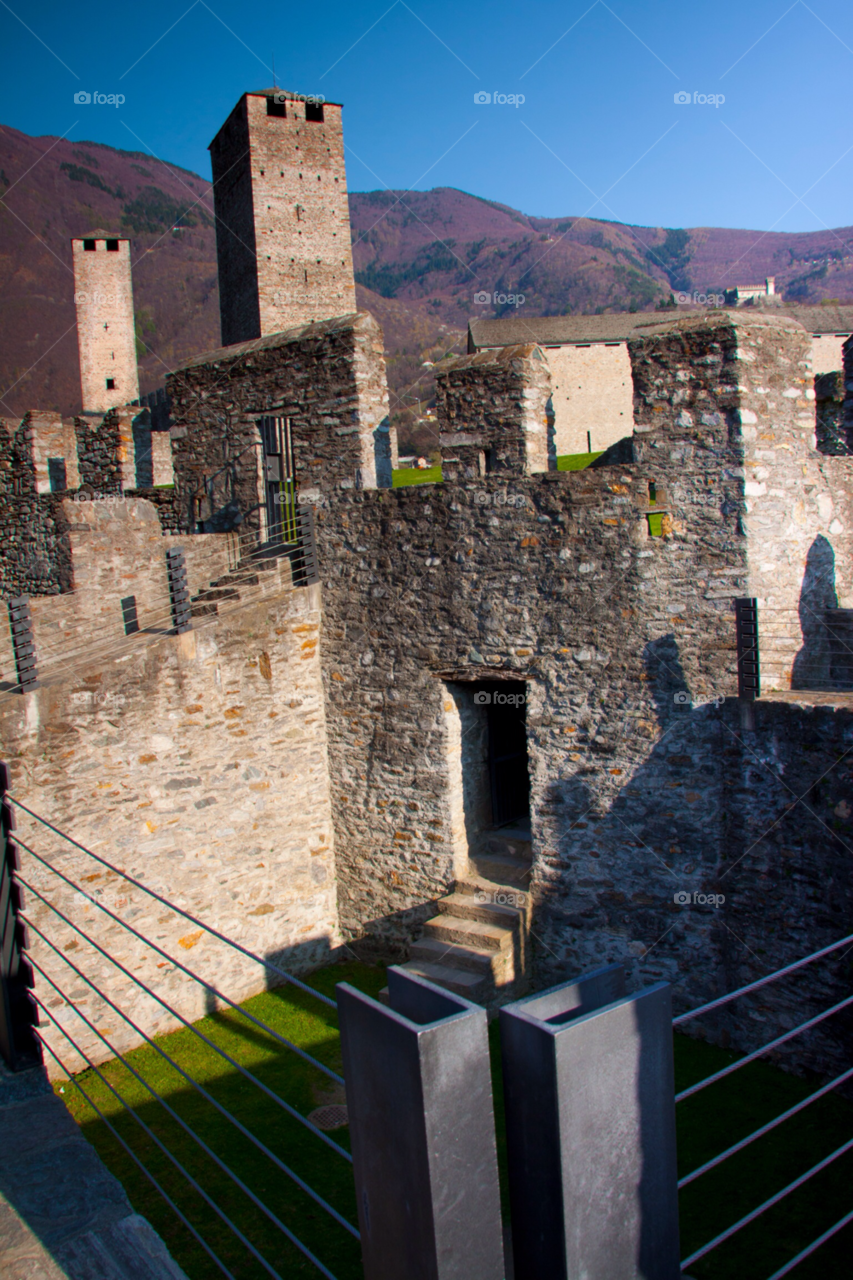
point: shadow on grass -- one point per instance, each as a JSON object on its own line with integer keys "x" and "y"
{"x": 308, "y": 1024}
{"x": 708, "y": 1123}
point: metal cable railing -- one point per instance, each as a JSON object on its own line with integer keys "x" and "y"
{"x": 60, "y": 656}
{"x": 148, "y": 1174}
{"x": 241, "y": 1128}
{"x": 285, "y": 1106}
{"x": 113, "y": 998}
{"x": 250, "y": 955}
{"x": 192, "y": 1182}
{"x": 771, "y": 1125}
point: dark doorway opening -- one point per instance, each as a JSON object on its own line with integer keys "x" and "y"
{"x": 509, "y": 780}
{"x": 505, "y": 702}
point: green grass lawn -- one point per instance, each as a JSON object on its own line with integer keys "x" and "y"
{"x": 576, "y": 461}
{"x": 707, "y": 1124}
{"x": 414, "y": 475}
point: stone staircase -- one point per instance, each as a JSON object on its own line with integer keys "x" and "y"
{"x": 252, "y": 571}
{"x": 477, "y": 944}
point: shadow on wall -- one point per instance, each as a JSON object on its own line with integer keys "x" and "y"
{"x": 700, "y": 862}
{"x": 382, "y": 455}
{"x": 812, "y": 665}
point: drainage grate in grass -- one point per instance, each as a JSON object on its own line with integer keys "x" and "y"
{"x": 328, "y": 1118}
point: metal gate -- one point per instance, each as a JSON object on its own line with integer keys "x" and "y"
{"x": 279, "y": 480}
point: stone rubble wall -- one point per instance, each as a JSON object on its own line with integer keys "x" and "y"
{"x": 51, "y": 437}
{"x": 847, "y": 352}
{"x": 329, "y": 379}
{"x": 492, "y": 411}
{"x": 829, "y": 414}
{"x": 196, "y": 763}
{"x": 659, "y": 819}
{"x": 627, "y": 643}
{"x": 35, "y": 553}
{"x": 100, "y": 462}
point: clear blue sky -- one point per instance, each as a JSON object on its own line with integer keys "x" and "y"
{"x": 599, "y": 117}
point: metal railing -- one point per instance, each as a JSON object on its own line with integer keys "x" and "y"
{"x": 30, "y": 986}
{"x": 804, "y": 646}
{"x": 736, "y": 1147}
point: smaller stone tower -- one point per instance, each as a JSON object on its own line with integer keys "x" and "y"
{"x": 282, "y": 217}
{"x": 103, "y": 293}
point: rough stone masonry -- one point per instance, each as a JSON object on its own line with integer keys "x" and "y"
{"x": 666, "y": 833}
{"x": 609, "y": 592}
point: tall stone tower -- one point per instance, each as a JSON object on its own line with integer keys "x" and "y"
{"x": 282, "y": 218}
{"x": 103, "y": 292}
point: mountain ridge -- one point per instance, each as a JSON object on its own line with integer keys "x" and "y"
{"x": 424, "y": 262}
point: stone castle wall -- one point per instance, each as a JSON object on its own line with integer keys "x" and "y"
{"x": 283, "y": 233}
{"x": 626, "y": 643}
{"x": 493, "y": 413}
{"x": 35, "y": 555}
{"x": 197, "y": 763}
{"x": 609, "y": 593}
{"x": 103, "y": 294}
{"x": 98, "y": 457}
{"x": 329, "y": 379}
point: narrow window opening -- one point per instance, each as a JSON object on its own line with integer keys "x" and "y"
{"x": 112, "y": 246}
{"x": 89, "y": 246}
{"x": 653, "y": 492}
{"x": 314, "y": 112}
{"x": 276, "y": 108}
{"x": 111, "y": 384}
{"x": 56, "y": 475}
{"x": 129, "y": 615}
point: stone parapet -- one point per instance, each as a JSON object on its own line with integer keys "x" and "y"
{"x": 328, "y": 379}
{"x": 493, "y": 412}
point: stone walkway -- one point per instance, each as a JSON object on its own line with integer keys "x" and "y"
{"x": 63, "y": 1216}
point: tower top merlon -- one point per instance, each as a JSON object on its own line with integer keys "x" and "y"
{"x": 280, "y": 97}
{"x": 99, "y": 234}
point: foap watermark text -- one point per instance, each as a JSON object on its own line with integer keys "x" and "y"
{"x": 485, "y": 299}
{"x": 683, "y": 99}
{"x": 684, "y": 898}
{"x": 482, "y": 698}
{"x": 484, "y": 99}
{"x": 698, "y": 299}
{"x": 84, "y": 99}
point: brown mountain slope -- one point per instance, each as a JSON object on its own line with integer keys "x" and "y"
{"x": 421, "y": 258}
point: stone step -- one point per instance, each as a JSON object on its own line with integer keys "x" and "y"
{"x": 485, "y": 906}
{"x": 463, "y": 981}
{"x": 509, "y": 895}
{"x": 499, "y": 965}
{"x": 501, "y": 869}
{"x": 470, "y": 933}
